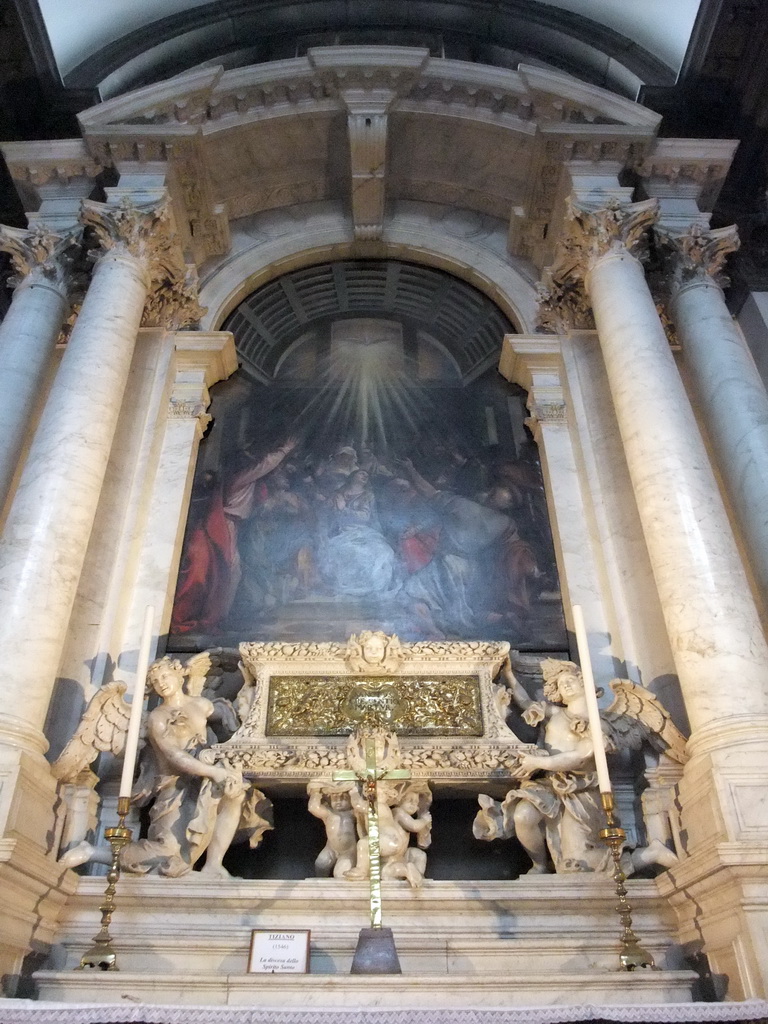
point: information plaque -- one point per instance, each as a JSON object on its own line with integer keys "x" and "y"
{"x": 274, "y": 952}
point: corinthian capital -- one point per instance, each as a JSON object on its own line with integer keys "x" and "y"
{"x": 699, "y": 253}
{"x": 592, "y": 234}
{"x": 39, "y": 251}
{"x": 148, "y": 233}
{"x": 589, "y": 234}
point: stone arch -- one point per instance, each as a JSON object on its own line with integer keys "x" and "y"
{"x": 494, "y": 274}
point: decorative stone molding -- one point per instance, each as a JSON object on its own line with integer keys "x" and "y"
{"x": 367, "y": 126}
{"x": 147, "y": 233}
{"x": 190, "y": 399}
{"x": 535, "y": 364}
{"x": 547, "y": 411}
{"x": 202, "y": 97}
{"x": 690, "y": 162}
{"x": 202, "y": 359}
{"x": 183, "y": 409}
{"x": 563, "y": 307}
{"x": 41, "y": 163}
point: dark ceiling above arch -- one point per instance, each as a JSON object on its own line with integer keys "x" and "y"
{"x": 496, "y": 32}
{"x": 464, "y": 320}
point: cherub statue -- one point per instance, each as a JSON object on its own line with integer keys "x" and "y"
{"x": 374, "y": 652}
{"x": 558, "y": 813}
{"x": 195, "y": 805}
{"x": 332, "y": 804}
{"x": 403, "y": 812}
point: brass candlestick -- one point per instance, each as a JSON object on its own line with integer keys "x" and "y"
{"x": 101, "y": 956}
{"x": 632, "y": 953}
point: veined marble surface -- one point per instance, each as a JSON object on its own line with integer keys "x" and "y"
{"x": 711, "y": 618}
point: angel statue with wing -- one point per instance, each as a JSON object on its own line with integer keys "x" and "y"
{"x": 195, "y": 805}
{"x": 556, "y": 811}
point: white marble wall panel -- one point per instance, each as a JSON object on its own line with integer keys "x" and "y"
{"x": 753, "y": 320}
{"x": 536, "y": 363}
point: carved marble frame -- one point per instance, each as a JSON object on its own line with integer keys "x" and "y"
{"x": 297, "y": 759}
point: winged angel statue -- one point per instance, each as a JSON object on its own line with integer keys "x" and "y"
{"x": 195, "y": 805}
{"x": 555, "y": 812}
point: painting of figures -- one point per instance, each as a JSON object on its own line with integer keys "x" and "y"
{"x": 368, "y": 486}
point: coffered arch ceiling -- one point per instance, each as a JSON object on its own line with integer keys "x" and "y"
{"x": 123, "y": 44}
{"x": 274, "y": 317}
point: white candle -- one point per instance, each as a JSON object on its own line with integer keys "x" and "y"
{"x": 590, "y": 693}
{"x": 137, "y": 705}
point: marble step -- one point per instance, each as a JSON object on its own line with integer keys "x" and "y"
{"x": 542, "y": 924}
{"x": 508, "y": 989}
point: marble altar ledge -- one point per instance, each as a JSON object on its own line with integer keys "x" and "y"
{"x": 17, "y": 1011}
{"x": 408, "y": 992}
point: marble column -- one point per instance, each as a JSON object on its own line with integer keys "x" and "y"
{"x": 730, "y": 391}
{"x": 49, "y": 523}
{"x": 719, "y": 648}
{"x": 28, "y": 333}
{"x": 710, "y": 616}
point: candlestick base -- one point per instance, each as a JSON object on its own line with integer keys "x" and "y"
{"x": 101, "y": 956}
{"x": 376, "y": 953}
{"x": 632, "y": 955}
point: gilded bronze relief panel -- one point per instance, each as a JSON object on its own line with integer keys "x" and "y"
{"x": 409, "y": 705}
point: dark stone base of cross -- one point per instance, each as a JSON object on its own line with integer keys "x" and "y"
{"x": 376, "y": 953}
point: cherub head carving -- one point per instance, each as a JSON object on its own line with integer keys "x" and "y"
{"x": 562, "y": 680}
{"x": 166, "y": 676}
{"x": 374, "y": 651}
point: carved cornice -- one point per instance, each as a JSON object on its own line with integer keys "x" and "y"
{"x": 41, "y": 252}
{"x": 698, "y": 254}
{"x": 202, "y": 97}
{"x": 690, "y": 162}
{"x": 148, "y": 234}
{"x": 41, "y": 163}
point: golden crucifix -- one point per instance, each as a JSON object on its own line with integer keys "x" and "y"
{"x": 370, "y": 778}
